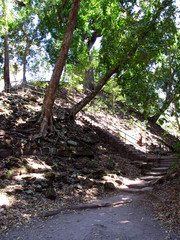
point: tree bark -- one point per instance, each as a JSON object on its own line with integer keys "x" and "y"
{"x": 28, "y": 45}
{"x": 89, "y": 73}
{"x": 46, "y": 118}
{"x": 25, "y": 60}
{"x": 7, "y": 84}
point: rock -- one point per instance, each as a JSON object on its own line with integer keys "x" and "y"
{"x": 29, "y": 178}
{"x": 2, "y": 210}
{"x": 74, "y": 180}
{"x": 78, "y": 186}
{"x": 109, "y": 186}
{"x": 51, "y": 193}
{"x": 72, "y": 143}
{"x": 2, "y": 132}
{"x": 29, "y": 192}
{"x": 118, "y": 181}
{"x": 62, "y": 143}
{"x": 18, "y": 190}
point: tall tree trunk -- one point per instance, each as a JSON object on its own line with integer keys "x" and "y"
{"x": 7, "y": 84}
{"x": 25, "y": 63}
{"x": 79, "y": 106}
{"x": 89, "y": 73}
{"x": 89, "y": 79}
{"x": 28, "y": 44}
{"x": 46, "y": 118}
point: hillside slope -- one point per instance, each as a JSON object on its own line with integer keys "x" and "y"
{"x": 76, "y": 163}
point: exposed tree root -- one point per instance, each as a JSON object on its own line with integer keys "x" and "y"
{"x": 83, "y": 207}
{"x": 45, "y": 126}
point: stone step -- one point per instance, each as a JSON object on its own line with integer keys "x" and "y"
{"x": 159, "y": 169}
{"x": 168, "y": 157}
{"x": 150, "y": 178}
{"x": 137, "y": 190}
{"x": 143, "y": 164}
{"x": 168, "y": 160}
{"x": 155, "y": 173}
{"x": 167, "y": 164}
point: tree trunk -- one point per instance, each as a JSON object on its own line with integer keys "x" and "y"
{"x": 7, "y": 84}
{"x": 89, "y": 79}
{"x": 89, "y": 73}
{"x": 28, "y": 44}
{"x": 46, "y": 118}
{"x": 24, "y": 64}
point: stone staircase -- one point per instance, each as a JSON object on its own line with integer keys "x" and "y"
{"x": 156, "y": 172}
{"x": 126, "y": 150}
{"x": 153, "y": 166}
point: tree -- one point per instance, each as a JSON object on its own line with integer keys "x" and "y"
{"x": 134, "y": 36}
{"x": 89, "y": 72}
{"x": 46, "y": 118}
{"x": 7, "y": 84}
{"x": 170, "y": 85}
{"x": 24, "y": 33}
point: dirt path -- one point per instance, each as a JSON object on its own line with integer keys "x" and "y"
{"x": 133, "y": 221}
